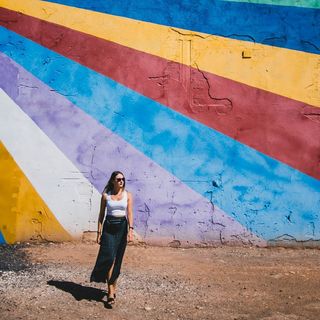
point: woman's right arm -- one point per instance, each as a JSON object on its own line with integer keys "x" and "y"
{"x": 103, "y": 203}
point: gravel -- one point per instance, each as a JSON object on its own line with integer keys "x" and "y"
{"x": 51, "y": 281}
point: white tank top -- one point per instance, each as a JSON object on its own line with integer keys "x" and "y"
{"x": 117, "y": 208}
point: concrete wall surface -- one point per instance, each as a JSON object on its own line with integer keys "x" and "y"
{"x": 211, "y": 109}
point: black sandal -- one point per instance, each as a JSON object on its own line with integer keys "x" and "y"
{"x": 111, "y": 300}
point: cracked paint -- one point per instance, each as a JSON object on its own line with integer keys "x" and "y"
{"x": 169, "y": 207}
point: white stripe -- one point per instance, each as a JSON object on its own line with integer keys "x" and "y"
{"x": 69, "y": 195}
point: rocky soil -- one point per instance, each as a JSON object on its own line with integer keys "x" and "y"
{"x": 51, "y": 281}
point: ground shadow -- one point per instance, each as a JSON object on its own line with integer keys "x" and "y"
{"x": 78, "y": 291}
{"x": 14, "y": 258}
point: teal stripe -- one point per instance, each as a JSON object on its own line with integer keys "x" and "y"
{"x": 266, "y": 196}
{"x": 315, "y": 4}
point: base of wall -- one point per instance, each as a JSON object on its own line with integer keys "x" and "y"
{"x": 285, "y": 242}
{"x": 308, "y": 244}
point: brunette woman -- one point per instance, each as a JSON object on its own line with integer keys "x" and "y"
{"x": 115, "y": 228}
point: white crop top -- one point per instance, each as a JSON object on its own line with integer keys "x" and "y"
{"x": 117, "y": 208}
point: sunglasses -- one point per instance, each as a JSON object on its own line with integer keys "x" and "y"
{"x": 120, "y": 179}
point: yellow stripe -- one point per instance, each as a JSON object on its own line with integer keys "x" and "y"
{"x": 24, "y": 215}
{"x": 289, "y": 73}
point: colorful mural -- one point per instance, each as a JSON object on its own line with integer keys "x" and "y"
{"x": 212, "y": 111}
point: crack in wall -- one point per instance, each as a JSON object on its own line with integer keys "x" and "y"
{"x": 289, "y": 217}
{"x": 216, "y": 224}
{"x": 240, "y": 238}
{"x": 174, "y": 210}
{"x": 197, "y": 35}
{"x": 38, "y": 227}
{"x": 313, "y": 227}
{"x": 92, "y": 160}
{"x": 64, "y": 94}
{"x": 26, "y": 86}
{"x": 283, "y": 39}
{"x": 313, "y": 116}
{"x": 48, "y": 13}
{"x": 312, "y": 113}
{"x": 211, "y": 200}
{"x": 222, "y": 106}
{"x": 90, "y": 203}
{"x": 214, "y": 184}
{"x": 146, "y": 222}
{"x": 191, "y": 181}
{"x": 163, "y": 78}
{"x": 285, "y": 237}
{"x": 46, "y": 60}
{"x": 119, "y": 114}
{"x": 190, "y": 34}
{"x": 311, "y": 44}
{"x": 45, "y": 213}
{"x": 221, "y": 238}
{"x": 236, "y": 35}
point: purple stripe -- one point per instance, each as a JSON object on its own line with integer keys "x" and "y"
{"x": 165, "y": 208}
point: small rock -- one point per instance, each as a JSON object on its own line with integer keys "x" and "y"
{"x": 147, "y": 308}
{"x": 174, "y": 244}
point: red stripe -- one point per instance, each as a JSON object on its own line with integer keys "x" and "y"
{"x": 282, "y": 128}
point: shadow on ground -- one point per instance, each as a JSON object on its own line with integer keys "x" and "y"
{"x": 78, "y": 291}
{"x": 13, "y": 258}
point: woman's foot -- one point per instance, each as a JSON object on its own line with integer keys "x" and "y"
{"x": 111, "y": 294}
{"x": 111, "y": 299}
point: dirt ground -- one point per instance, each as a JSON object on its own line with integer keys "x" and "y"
{"x": 50, "y": 281}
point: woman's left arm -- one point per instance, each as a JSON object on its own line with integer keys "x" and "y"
{"x": 130, "y": 217}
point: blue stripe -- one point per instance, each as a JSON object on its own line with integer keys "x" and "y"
{"x": 2, "y": 240}
{"x": 267, "y": 197}
{"x": 287, "y": 27}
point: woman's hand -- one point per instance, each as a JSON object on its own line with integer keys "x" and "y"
{"x": 98, "y": 237}
{"x": 130, "y": 218}
{"x": 130, "y": 235}
{"x": 103, "y": 204}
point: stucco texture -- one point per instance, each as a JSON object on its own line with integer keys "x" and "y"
{"x": 211, "y": 110}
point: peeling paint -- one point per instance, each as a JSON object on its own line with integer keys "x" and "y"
{"x": 209, "y": 155}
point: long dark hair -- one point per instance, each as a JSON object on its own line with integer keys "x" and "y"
{"x": 110, "y": 186}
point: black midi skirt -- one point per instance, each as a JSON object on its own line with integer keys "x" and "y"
{"x": 112, "y": 247}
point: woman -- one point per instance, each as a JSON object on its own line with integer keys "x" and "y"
{"x": 117, "y": 229}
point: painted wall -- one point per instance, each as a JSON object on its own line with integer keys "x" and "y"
{"x": 211, "y": 109}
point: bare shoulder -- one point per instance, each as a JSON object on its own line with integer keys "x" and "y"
{"x": 129, "y": 195}
{"x": 104, "y": 196}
